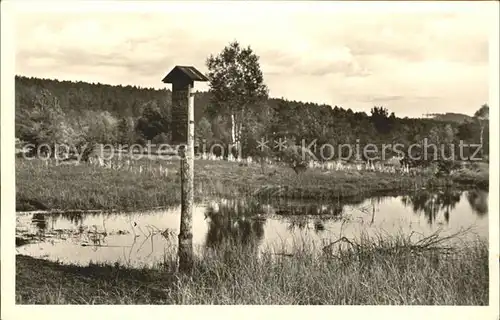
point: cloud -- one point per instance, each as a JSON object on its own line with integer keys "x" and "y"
{"x": 407, "y": 61}
{"x": 335, "y": 60}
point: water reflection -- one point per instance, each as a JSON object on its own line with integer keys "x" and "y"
{"x": 74, "y": 217}
{"x": 432, "y": 203}
{"x": 291, "y": 209}
{"x": 140, "y": 237}
{"x": 478, "y": 200}
{"x": 40, "y": 221}
{"x": 234, "y": 221}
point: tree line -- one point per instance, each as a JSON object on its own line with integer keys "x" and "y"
{"x": 236, "y": 110}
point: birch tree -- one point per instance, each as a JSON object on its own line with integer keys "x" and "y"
{"x": 236, "y": 85}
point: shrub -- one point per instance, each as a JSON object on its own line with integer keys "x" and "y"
{"x": 297, "y": 157}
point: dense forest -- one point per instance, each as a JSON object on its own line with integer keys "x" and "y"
{"x": 49, "y": 111}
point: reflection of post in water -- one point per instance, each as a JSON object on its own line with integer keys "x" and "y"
{"x": 234, "y": 222}
{"x": 478, "y": 201}
{"x": 432, "y": 202}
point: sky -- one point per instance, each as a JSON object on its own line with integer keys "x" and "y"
{"x": 412, "y": 63}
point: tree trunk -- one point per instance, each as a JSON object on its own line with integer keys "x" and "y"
{"x": 239, "y": 133}
{"x": 236, "y": 129}
{"x": 233, "y": 129}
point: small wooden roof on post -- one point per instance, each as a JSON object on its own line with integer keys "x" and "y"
{"x": 182, "y": 79}
{"x": 184, "y": 75}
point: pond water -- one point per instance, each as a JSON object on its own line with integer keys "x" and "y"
{"x": 145, "y": 238}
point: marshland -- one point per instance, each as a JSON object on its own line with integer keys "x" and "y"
{"x": 274, "y": 222}
{"x": 107, "y": 234}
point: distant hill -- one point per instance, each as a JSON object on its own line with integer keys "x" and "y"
{"x": 451, "y": 117}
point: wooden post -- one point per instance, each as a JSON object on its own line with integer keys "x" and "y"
{"x": 187, "y": 186}
{"x": 182, "y": 79}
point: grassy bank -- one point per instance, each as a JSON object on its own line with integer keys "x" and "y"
{"x": 146, "y": 185}
{"x": 370, "y": 272}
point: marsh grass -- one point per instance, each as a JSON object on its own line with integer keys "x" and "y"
{"x": 477, "y": 175}
{"x": 86, "y": 187}
{"x": 369, "y": 271}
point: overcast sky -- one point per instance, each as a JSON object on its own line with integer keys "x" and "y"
{"x": 411, "y": 63}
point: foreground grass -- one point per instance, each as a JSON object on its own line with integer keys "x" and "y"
{"x": 370, "y": 273}
{"x": 87, "y": 187}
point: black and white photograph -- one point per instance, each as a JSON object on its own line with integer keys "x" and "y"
{"x": 250, "y": 153}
